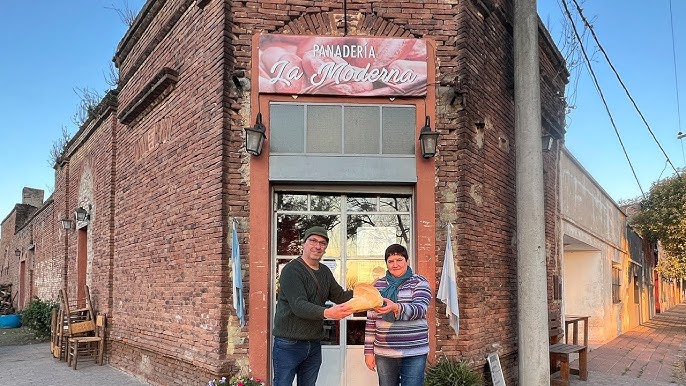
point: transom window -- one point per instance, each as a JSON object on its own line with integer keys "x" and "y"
{"x": 332, "y": 129}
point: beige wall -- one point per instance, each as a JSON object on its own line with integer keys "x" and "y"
{"x": 594, "y": 240}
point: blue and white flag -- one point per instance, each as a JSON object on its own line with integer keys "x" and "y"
{"x": 238, "y": 302}
{"x": 447, "y": 289}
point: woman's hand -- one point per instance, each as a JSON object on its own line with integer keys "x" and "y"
{"x": 370, "y": 361}
{"x": 390, "y": 306}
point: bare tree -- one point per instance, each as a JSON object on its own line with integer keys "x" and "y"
{"x": 112, "y": 77}
{"x": 58, "y": 147}
{"x": 90, "y": 99}
{"x": 126, "y": 14}
{"x": 571, "y": 51}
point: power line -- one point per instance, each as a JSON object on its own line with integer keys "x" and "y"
{"x": 626, "y": 91}
{"x": 600, "y": 92}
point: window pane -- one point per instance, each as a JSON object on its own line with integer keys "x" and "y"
{"x": 362, "y": 204}
{"x": 356, "y": 331}
{"x": 324, "y": 129}
{"x": 288, "y": 234}
{"x": 398, "y": 130}
{"x": 286, "y": 128}
{"x": 368, "y": 235}
{"x": 325, "y": 203}
{"x": 291, "y": 202}
{"x": 332, "y": 224}
{"x": 394, "y": 204}
{"x": 364, "y": 270}
{"x": 362, "y": 131}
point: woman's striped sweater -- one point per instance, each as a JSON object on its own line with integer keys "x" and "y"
{"x": 408, "y": 335}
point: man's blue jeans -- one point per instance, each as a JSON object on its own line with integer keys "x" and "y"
{"x": 406, "y": 371}
{"x": 296, "y": 357}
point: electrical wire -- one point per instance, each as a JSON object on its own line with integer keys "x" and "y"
{"x": 600, "y": 92}
{"x": 626, "y": 91}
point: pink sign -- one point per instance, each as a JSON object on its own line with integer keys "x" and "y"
{"x": 359, "y": 66}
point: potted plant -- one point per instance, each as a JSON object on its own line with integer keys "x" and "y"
{"x": 448, "y": 372}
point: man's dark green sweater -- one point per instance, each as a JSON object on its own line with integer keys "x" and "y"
{"x": 300, "y": 305}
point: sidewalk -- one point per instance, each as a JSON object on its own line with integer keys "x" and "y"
{"x": 33, "y": 364}
{"x": 653, "y": 353}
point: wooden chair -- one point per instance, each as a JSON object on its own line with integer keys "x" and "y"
{"x": 90, "y": 345}
{"x": 56, "y": 332}
{"x": 72, "y": 323}
{"x": 559, "y": 353}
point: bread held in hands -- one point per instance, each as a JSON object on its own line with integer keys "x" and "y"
{"x": 365, "y": 297}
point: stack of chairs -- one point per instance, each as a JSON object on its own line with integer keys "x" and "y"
{"x": 77, "y": 330}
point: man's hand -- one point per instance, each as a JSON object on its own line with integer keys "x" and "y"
{"x": 338, "y": 311}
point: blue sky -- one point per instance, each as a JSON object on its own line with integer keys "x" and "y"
{"x": 638, "y": 40}
{"x": 49, "y": 48}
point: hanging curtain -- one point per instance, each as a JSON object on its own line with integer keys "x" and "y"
{"x": 447, "y": 289}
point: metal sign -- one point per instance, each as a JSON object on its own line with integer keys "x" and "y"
{"x": 496, "y": 370}
{"x": 343, "y": 65}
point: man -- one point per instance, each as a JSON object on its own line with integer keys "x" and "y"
{"x": 304, "y": 287}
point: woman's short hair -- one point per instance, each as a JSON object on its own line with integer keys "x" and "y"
{"x": 395, "y": 249}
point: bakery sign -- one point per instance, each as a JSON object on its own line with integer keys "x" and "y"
{"x": 344, "y": 65}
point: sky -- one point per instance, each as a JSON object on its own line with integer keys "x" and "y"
{"x": 637, "y": 37}
{"x": 49, "y": 49}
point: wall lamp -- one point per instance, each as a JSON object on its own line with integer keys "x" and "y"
{"x": 547, "y": 142}
{"x": 254, "y": 137}
{"x": 428, "y": 139}
{"x": 66, "y": 223}
{"x": 17, "y": 253}
{"x": 81, "y": 214}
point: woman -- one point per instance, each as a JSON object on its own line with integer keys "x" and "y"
{"x": 396, "y": 340}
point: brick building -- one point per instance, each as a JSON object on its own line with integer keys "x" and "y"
{"x": 162, "y": 173}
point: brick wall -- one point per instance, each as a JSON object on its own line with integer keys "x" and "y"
{"x": 34, "y": 238}
{"x": 164, "y": 174}
{"x": 170, "y": 225}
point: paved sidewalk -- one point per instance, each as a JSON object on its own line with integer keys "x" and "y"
{"x": 653, "y": 353}
{"x": 33, "y": 364}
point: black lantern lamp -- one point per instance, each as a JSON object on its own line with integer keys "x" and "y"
{"x": 81, "y": 214}
{"x": 428, "y": 139}
{"x": 254, "y": 136}
{"x": 17, "y": 253}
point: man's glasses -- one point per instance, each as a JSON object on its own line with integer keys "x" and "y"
{"x": 322, "y": 244}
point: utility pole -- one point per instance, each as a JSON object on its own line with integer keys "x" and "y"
{"x": 532, "y": 314}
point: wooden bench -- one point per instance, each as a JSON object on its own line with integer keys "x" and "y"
{"x": 559, "y": 353}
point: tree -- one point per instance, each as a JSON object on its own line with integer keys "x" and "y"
{"x": 58, "y": 147}
{"x": 126, "y": 14}
{"x": 90, "y": 99}
{"x": 662, "y": 218}
{"x": 672, "y": 268}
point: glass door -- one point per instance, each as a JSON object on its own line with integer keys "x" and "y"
{"x": 360, "y": 227}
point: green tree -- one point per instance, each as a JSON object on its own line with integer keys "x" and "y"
{"x": 662, "y": 218}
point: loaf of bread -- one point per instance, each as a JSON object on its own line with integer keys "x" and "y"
{"x": 365, "y": 297}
